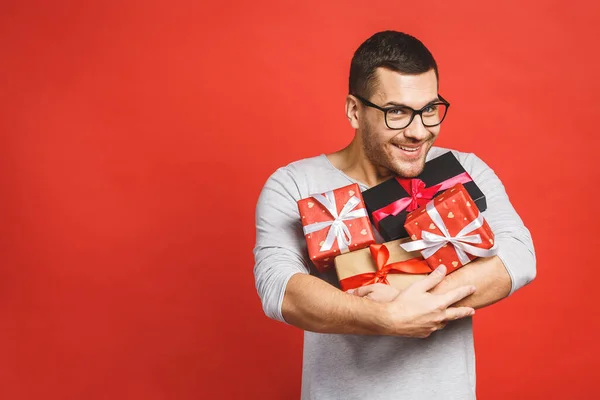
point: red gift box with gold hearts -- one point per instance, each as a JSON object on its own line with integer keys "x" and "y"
{"x": 450, "y": 230}
{"x": 335, "y": 222}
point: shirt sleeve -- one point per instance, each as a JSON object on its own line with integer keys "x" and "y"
{"x": 515, "y": 246}
{"x": 280, "y": 245}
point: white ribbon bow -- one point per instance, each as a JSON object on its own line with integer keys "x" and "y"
{"x": 338, "y": 229}
{"x": 432, "y": 242}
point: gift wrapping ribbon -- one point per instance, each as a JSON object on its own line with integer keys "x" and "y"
{"x": 337, "y": 228}
{"x": 419, "y": 194}
{"x": 432, "y": 242}
{"x": 381, "y": 254}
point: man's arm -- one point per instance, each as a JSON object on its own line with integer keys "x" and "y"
{"x": 314, "y": 305}
{"x": 289, "y": 294}
{"x": 488, "y": 275}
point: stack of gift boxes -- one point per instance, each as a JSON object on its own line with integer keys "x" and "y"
{"x": 425, "y": 222}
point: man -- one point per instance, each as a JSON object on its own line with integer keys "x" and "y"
{"x": 377, "y": 342}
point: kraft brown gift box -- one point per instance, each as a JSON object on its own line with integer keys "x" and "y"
{"x": 361, "y": 262}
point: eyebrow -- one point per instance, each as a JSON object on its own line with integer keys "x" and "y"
{"x": 396, "y": 104}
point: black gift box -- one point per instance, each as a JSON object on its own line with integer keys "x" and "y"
{"x": 436, "y": 171}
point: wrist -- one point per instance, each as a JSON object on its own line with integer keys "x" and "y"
{"x": 370, "y": 316}
{"x": 378, "y": 317}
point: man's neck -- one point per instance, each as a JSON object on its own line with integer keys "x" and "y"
{"x": 352, "y": 161}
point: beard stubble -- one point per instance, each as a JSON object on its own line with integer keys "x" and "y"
{"x": 376, "y": 153}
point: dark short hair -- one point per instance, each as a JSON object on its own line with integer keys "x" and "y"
{"x": 393, "y": 50}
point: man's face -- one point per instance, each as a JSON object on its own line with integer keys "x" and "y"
{"x": 401, "y": 151}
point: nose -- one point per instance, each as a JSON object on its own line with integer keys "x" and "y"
{"x": 416, "y": 130}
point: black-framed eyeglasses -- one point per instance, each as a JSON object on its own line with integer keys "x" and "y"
{"x": 399, "y": 117}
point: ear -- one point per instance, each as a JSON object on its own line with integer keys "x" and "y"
{"x": 352, "y": 110}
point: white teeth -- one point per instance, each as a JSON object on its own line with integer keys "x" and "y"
{"x": 409, "y": 149}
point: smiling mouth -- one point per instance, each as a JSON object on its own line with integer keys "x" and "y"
{"x": 409, "y": 149}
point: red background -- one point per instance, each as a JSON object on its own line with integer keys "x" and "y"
{"x": 136, "y": 136}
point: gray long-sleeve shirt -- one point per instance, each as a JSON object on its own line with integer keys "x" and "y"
{"x": 335, "y": 366}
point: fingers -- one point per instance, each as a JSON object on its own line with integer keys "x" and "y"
{"x": 441, "y": 325}
{"x": 363, "y": 291}
{"x": 431, "y": 280}
{"x": 456, "y": 295}
{"x": 454, "y": 313}
{"x": 376, "y": 292}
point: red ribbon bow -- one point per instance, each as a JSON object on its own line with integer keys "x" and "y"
{"x": 419, "y": 195}
{"x": 381, "y": 255}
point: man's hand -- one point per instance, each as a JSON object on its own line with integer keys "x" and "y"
{"x": 417, "y": 313}
{"x": 377, "y": 292}
{"x": 315, "y": 305}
